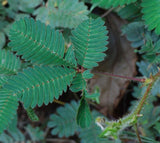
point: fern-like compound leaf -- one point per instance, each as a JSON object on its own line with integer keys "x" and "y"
{"x": 78, "y": 83}
{"x": 31, "y": 114}
{"x": 91, "y": 134}
{"x": 62, "y": 13}
{"x": 89, "y": 41}
{"x": 40, "y": 85}
{"x": 135, "y": 32}
{"x": 37, "y": 42}
{"x": 84, "y": 117}
{"x": 111, "y": 3}
{"x": 8, "y": 107}
{"x": 13, "y": 134}
{"x": 131, "y": 11}
{"x": 36, "y": 133}
{"x": 9, "y": 63}
{"x": 151, "y": 12}
{"x": 3, "y": 80}
{"x": 63, "y": 123}
{"x": 70, "y": 55}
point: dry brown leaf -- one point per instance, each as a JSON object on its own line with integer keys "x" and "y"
{"x": 120, "y": 60}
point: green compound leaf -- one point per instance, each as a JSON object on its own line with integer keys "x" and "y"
{"x": 151, "y": 51}
{"x": 8, "y": 107}
{"x": 3, "y": 40}
{"x": 36, "y": 134}
{"x": 37, "y": 42}
{"x": 40, "y": 85}
{"x": 9, "y": 63}
{"x": 70, "y": 55}
{"x": 62, "y": 13}
{"x": 111, "y": 3}
{"x": 3, "y": 79}
{"x": 89, "y": 41}
{"x": 135, "y": 32}
{"x": 87, "y": 74}
{"x": 13, "y": 134}
{"x": 84, "y": 117}
{"x": 131, "y": 11}
{"x": 29, "y": 5}
{"x": 63, "y": 123}
{"x": 93, "y": 96}
{"x": 78, "y": 83}
{"x": 151, "y": 12}
{"x": 31, "y": 114}
{"x": 91, "y": 134}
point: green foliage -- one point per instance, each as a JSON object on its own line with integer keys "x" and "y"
{"x": 135, "y": 33}
{"x": 3, "y": 79}
{"x": 8, "y": 107}
{"x": 93, "y": 96}
{"x": 111, "y": 3}
{"x": 132, "y": 136}
{"x": 87, "y": 75}
{"x": 36, "y": 134}
{"x": 91, "y": 134}
{"x": 40, "y": 44}
{"x": 89, "y": 35}
{"x": 3, "y": 40}
{"x": 131, "y": 11}
{"x": 70, "y": 56}
{"x": 62, "y": 13}
{"x": 38, "y": 85}
{"x": 9, "y": 63}
{"x": 63, "y": 123}
{"x": 78, "y": 83}
{"x": 31, "y": 114}
{"x": 13, "y": 134}
{"x": 146, "y": 70}
{"x": 50, "y": 65}
{"x": 29, "y": 5}
{"x": 84, "y": 117}
{"x": 149, "y": 41}
{"x": 151, "y": 12}
{"x": 47, "y": 47}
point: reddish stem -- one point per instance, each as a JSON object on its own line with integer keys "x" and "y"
{"x": 124, "y": 77}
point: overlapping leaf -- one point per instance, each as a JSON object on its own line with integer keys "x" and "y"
{"x": 9, "y": 63}
{"x": 13, "y": 134}
{"x": 62, "y": 13}
{"x": 31, "y": 114}
{"x": 151, "y": 12}
{"x": 84, "y": 117}
{"x": 3, "y": 79}
{"x": 111, "y": 3}
{"x": 78, "y": 83}
{"x": 38, "y": 42}
{"x": 63, "y": 123}
{"x": 89, "y": 41}
{"x": 8, "y": 107}
{"x": 40, "y": 85}
{"x": 131, "y": 11}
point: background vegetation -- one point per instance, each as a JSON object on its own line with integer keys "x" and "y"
{"x": 133, "y": 50}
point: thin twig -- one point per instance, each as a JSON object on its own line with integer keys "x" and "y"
{"x": 106, "y": 13}
{"x": 59, "y": 102}
{"x": 120, "y": 76}
{"x": 137, "y": 133}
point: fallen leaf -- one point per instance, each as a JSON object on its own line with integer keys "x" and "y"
{"x": 120, "y": 60}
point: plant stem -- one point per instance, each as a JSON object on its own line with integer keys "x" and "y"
{"x": 137, "y": 133}
{"x": 59, "y": 102}
{"x": 107, "y": 12}
{"x": 146, "y": 94}
{"x": 124, "y": 77}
